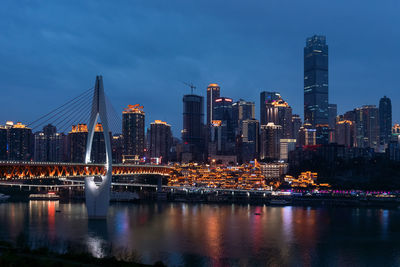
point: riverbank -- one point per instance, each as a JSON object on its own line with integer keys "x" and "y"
{"x": 23, "y": 255}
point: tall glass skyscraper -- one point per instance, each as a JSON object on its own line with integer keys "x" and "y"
{"x": 385, "y": 120}
{"x": 316, "y": 81}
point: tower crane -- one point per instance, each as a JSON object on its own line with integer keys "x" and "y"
{"x": 191, "y": 85}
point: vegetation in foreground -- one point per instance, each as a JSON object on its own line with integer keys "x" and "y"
{"x": 22, "y": 254}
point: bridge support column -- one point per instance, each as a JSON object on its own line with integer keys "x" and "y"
{"x": 98, "y": 196}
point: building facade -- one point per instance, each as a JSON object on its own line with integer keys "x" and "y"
{"x": 316, "y": 81}
{"x": 133, "y": 121}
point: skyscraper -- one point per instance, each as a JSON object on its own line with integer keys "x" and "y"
{"x": 242, "y": 110}
{"x": 296, "y": 124}
{"x": 316, "y": 80}
{"x": 133, "y": 121}
{"x": 49, "y": 145}
{"x": 385, "y": 120}
{"x": 193, "y": 128}
{"x": 266, "y": 97}
{"x": 77, "y": 139}
{"x": 213, "y": 91}
{"x": 270, "y": 141}
{"x": 367, "y": 127}
{"x": 160, "y": 140}
{"x": 223, "y": 112}
{"x": 20, "y": 142}
{"x": 332, "y": 115}
{"x": 280, "y": 113}
{"x": 249, "y": 140}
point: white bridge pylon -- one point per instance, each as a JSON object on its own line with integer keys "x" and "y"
{"x": 98, "y": 196}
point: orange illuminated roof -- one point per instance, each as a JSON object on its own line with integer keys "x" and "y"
{"x": 133, "y": 109}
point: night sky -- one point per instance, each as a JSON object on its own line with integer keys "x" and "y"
{"x": 52, "y": 50}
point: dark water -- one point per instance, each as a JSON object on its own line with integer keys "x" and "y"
{"x": 218, "y": 235}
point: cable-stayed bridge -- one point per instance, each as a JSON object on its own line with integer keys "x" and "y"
{"x": 82, "y": 112}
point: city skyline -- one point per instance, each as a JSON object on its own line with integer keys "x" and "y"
{"x": 62, "y": 57}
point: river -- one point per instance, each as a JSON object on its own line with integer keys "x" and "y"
{"x": 182, "y": 234}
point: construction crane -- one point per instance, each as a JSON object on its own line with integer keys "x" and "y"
{"x": 191, "y": 85}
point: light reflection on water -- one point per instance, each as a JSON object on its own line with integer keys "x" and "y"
{"x": 217, "y": 235}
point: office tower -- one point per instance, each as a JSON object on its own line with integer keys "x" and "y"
{"x": 286, "y": 145}
{"x": 296, "y": 124}
{"x": 243, "y": 110}
{"x": 77, "y": 139}
{"x": 385, "y": 120}
{"x": 20, "y": 142}
{"x": 193, "y": 128}
{"x": 3, "y": 143}
{"x": 270, "y": 141}
{"x": 213, "y": 91}
{"x": 316, "y": 81}
{"x": 280, "y": 113}
{"x": 323, "y": 134}
{"x": 344, "y": 133}
{"x": 160, "y": 140}
{"x": 223, "y": 112}
{"x": 266, "y": 98}
{"x": 49, "y": 146}
{"x": 307, "y": 135}
{"x": 117, "y": 146}
{"x": 332, "y": 108}
{"x": 367, "y": 127}
{"x": 249, "y": 141}
{"x": 133, "y": 121}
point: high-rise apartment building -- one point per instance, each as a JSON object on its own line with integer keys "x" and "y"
{"x": 316, "y": 81}
{"x": 296, "y": 124}
{"x": 332, "y": 108}
{"x": 49, "y": 146}
{"x": 133, "y": 121}
{"x": 280, "y": 113}
{"x": 160, "y": 140}
{"x": 20, "y": 143}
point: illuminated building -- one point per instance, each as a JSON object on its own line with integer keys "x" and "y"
{"x": 3, "y": 143}
{"x": 273, "y": 171}
{"x": 223, "y": 112}
{"x": 367, "y": 127}
{"x": 20, "y": 142}
{"x": 296, "y": 124}
{"x": 307, "y": 135}
{"x": 49, "y": 146}
{"x": 344, "y": 133}
{"x": 117, "y": 146}
{"x": 77, "y": 139}
{"x": 265, "y": 98}
{"x": 270, "y": 141}
{"x": 242, "y": 110}
{"x": 316, "y": 81}
{"x": 213, "y": 91}
{"x": 286, "y": 145}
{"x": 385, "y": 120}
{"x": 305, "y": 179}
{"x": 193, "y": 128}
{"x": 249, "y": 145}
{"x": 280, "y": 113}
{"x": 133, "y": 121}
{"x": 160, "y": 140}
{"x": 396, "y": 129}
{"x": 332, "y": 108}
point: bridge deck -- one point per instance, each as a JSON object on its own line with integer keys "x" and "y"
{"x": 40, "y": 170}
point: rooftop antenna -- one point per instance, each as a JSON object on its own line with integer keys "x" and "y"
{"x": 191, "y": 85}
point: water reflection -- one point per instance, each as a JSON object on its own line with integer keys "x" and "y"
{"x": 218, "y": 235}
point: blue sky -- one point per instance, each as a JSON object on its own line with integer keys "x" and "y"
{"x": 52, "y": 50}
